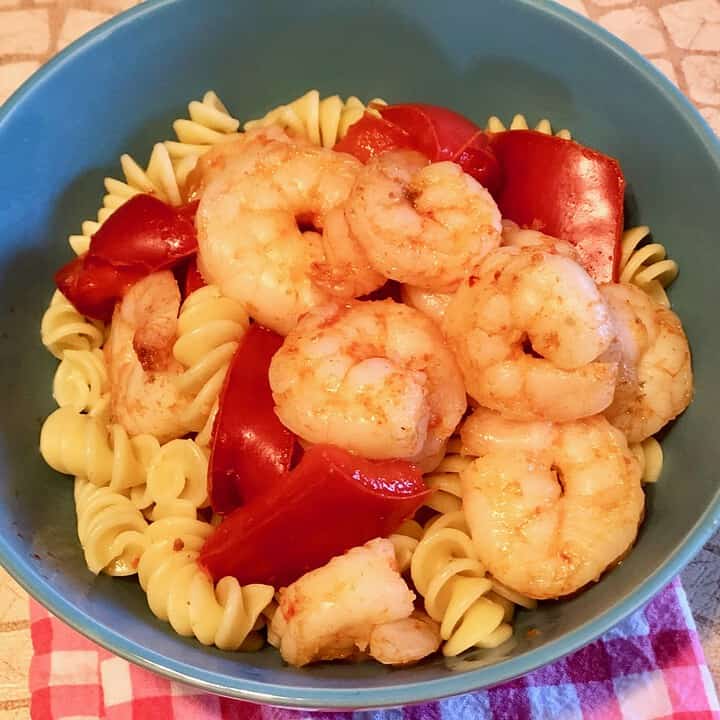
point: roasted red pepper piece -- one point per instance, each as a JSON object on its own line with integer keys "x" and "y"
{"x": 142, "y": 236}
{"x": 332, "y": 501}
{"x": 566, "y": 190}
{"x": 193, "y": 279}
{"x": 251, "y": 448}
{"x": 372, "y": 136}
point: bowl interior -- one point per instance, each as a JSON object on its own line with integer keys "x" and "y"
{"x": 66, "y": 132}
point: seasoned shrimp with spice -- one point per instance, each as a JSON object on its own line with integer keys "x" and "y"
{"x": 142, "y": 370}
{"x": 656, "y": 380}
{"x": 375, "y": 378}
{"x": 550, "y": 506}
{"x": 530, "y": 329}
{"x": 421, "y": 223}
{"x": 271, "y": 231}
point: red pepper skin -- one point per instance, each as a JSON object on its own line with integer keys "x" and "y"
{"x": 332, "y": 501}
{"x": 193, "y": 279}
{"x": 566, "y": 190}
{"x": 141, "y": 237}
{"x": 251, "y": 449}
{"x": 372, "y": 136}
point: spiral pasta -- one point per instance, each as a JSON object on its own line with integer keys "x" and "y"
{"x": 209, "y": 329}
{"x": 321, "y": 121}
{"x": 64, "y": 328}
{"x": 209, "y": 123}
{"x": 456, "y": 589}
{"x": 646, "y": 264}
{"x": 81, "y": 382}
{"x": 650, "y": 456}
{"x": 181, "y": 593}
{"x": 445, "y": 480}
{"x": 111, "y": 530}
{"x": 78, "y": 444}
{"x": 519, "y": 122}
{"x": 177, "y": 471}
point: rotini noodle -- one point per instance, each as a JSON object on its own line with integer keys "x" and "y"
{"x": 181, "y": 593}
{"x": 646, "y": 264}
{"x": 112, "y": 531}
{"x": 405, "y": 540}
{"x": 453, "y": 582}
{"x": 81, "y": 445}
{"x": 650, "y": 456}
{"x": 81, "y": 383}
{"x": 209, "y": 329}
{"x": 321, "y": 121}
{"x": 177, "y": 471}
{"x": 209, "y": 123}
{"x": 64, "y": 328}
{"x": 519, "y": 122}
{"x": 445, "y": 480}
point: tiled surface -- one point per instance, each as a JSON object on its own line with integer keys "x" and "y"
{"x": 682, "y": 37}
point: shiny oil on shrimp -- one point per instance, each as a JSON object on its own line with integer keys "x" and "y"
{"x": 656, "y": 380}
{"x": 271, "y": 231}
{"x": 550, "y": 506}
{"x": 421, "y": 223}
{"x": 375, "y": 378}
{"x": 529, "y": 329}
{"x": 142, "y": 371}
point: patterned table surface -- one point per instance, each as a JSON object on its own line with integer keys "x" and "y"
{"x": 682, "y": 37}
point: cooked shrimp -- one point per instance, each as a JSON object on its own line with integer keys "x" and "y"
{"x": 547, "y": 521}
{"x": 514, "y": 236}
{"x": 330, "y": 613}
{"x": 429, "y": 303}
{"x": 375, "y": 378}
{"x": 528, "y": 329}
{"x": 419, "y": 223}
{"x": 656, "y": 380}
{"x": 486, "y": 431}
{"x": 142, "y": 370}
{"x": 405, "y": 641}
{"x": 267, "y": 233}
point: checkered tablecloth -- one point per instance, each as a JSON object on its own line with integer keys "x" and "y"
{"x": 651, "y": 666}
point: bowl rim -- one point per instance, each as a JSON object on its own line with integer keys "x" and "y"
{"x": 411, "y": 692}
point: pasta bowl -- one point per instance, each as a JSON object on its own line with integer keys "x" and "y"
{"x": 118, "y": 90}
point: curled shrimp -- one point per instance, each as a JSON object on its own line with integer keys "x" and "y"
{"x": 375, "y": 378}
{"x": 515, "y": 236}
{"x": 142, "y": 370}
{"x": 432, "y": 304}
{"x": 271, "y": 231}
{"x": 547, "y": 518}
{"x": 419, "y": 223}
{"x": 656, "y": 380}
{"x": 331, "y": 613}
{"x": 528, "y": 329}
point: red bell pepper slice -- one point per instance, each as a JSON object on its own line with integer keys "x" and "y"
{"x": 566, "y": 190}
{"x": 141, "y": 237}
{"x": 193, "y": 280}
{"x": 251, "y": 448}
{"x": 438, "y": 133}
{"x": 332, "y": 501}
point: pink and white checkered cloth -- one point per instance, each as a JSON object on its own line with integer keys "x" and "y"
{"x": 650, "y": 667}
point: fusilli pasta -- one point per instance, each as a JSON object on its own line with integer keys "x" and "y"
{"x": 64, "y": 328}
{"x": 209, "y": 329}
{"x": 650, "y": 456}
{"x": 646, "y": 264}
{"x": 321, "y": 121}
{"x": 81, "y": 383}
{"x": 181, "y": 593}
{"x": 445, "y": 480}
{"x": 519, "y": 122}
{"x": 110, "y": 528}
{"x": 81, "y": 445}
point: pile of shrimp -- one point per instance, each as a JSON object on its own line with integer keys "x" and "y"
{"x": 560, "y": 375}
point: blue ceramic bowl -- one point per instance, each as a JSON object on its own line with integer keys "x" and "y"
{"x": 119, "y": 88}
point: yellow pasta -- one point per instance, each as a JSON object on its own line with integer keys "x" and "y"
{"x": 519, "y": 122}
{"x": 646, "y": 264}
{"x": 650, "y": 456}
{"x": 405, "y": 541}
{"x": 456, "y": 589}
{"x": 321, "y": 121}
{"x": 445, "y": 480}
{"x": 64, "y": 328}
{"x": 209, "y": 123}
{"x": 177, "y": 471}
{"x": 82, "y": 445}
{"x": 180, "y": 592}
{"x": 81, "y": 383}
{"x": 111, "y": 530}
{"x": 209, "y": 329}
